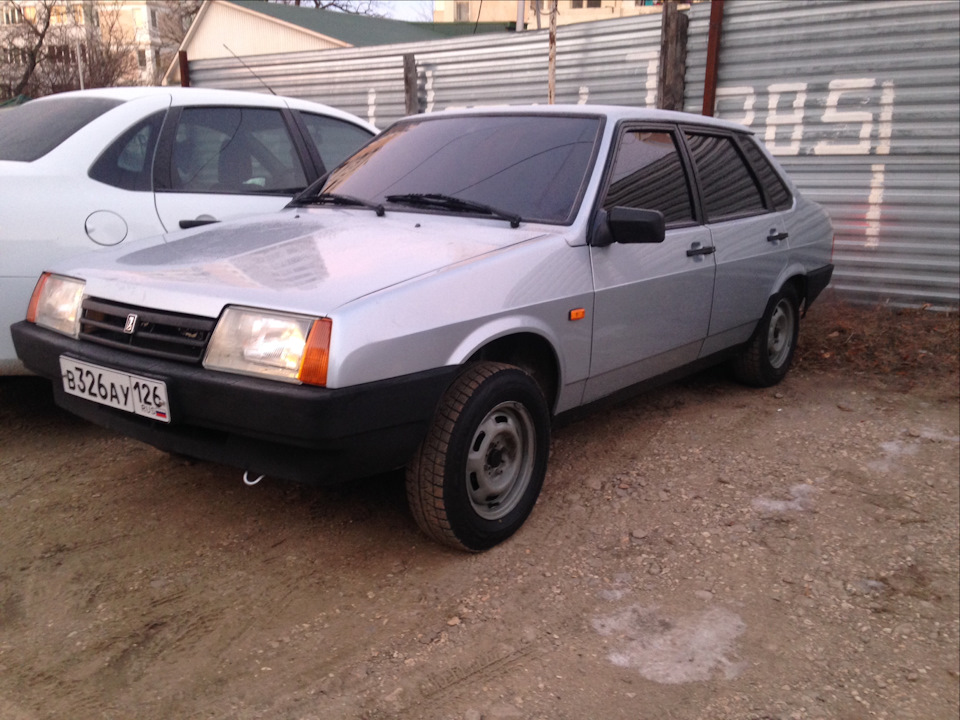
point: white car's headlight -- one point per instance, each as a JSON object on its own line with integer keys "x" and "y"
{"x": 295, "y": 348}
{"x": 56, "y": 304}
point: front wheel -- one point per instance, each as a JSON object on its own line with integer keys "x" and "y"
{"x": 768, "y": 354}
{"x": 478, "y": 472}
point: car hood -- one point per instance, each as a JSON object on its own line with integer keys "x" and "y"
{"x": 306, "y": 260}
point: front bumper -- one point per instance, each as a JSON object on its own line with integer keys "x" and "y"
{"x": 299, "y": 432}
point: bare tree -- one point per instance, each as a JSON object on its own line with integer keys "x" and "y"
{"x": 173, "y": 21}
{"x": 23, "y": 35}
{"x": 50, "y": 46}
{"x": 354, "y": 7}
{"x": 111, "y": 54}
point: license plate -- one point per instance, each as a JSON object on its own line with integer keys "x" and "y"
{"x": 123, "y": 391}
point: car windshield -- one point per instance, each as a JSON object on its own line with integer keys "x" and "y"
{"x": 30, "y": 131}
{"x": 534, "y": 167}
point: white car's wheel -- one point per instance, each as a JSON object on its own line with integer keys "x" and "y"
{"x": 478, "y": 472}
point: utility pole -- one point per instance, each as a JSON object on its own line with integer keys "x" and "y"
{"x": 79, "y": 63}
{"x": 552, "y": 69}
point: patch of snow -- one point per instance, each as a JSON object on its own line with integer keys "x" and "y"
{"x": 801, "y": 499}
{"x": 674, "y": 650}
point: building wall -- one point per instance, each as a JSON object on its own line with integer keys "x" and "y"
{"x": 131, "y": 24}
{"x": 138, "y": 21}
{"x": 248, "y": 33}
{"x": 568, "y": 11}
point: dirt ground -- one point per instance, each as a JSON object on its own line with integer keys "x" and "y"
{"x": 706, "y": 551}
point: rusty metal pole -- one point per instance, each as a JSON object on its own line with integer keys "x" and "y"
{"x": 552, "y": 68}
{"x": 713, "y": 55}
{"x": 184, "y": 68}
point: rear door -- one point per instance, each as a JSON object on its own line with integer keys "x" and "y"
{"x": 652, "y": 306}
{"x": 748, "y": 232}
{"x": 217, "y": 162}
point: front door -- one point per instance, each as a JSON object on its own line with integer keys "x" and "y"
{"x": 653, "y": 301}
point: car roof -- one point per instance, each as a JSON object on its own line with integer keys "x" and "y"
{"x": 195, "y": 96}
{"x": 613, "y": 113}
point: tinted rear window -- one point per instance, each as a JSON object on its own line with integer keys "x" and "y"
{"x": 727, "y": 186}
{"x": 30, "y": 131}
{"x": 769, "y": 177}
{"x": 127, "y": 162}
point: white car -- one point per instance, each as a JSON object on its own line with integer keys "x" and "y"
{"x": 97, "y": 168}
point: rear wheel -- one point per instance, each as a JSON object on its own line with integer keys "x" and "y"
{"x": 478, "y": 472}
{"x": 768, "y": 355}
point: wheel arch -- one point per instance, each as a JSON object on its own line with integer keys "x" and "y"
{"x": 796, "y": 275}
{"x": 530, "y": 351}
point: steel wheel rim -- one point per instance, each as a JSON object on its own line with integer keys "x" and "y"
{"x": 500, "y": 460}
{"x": 780, "y": 334}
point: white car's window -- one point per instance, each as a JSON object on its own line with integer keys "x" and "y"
{"x": 235, "y": 150}
{"x": 726, "y": 183}
{"x": 334, "y": 139}
{"x": 127, "y": 162}
{"x": 648, "y": 174}
{"x": 30, "y": 131}
{"x": 534, "y": 166}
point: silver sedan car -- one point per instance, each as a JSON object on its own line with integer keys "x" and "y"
{"x": 441, "y": 297}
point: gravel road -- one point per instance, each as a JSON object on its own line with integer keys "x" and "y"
{"x": 703, "y": 551}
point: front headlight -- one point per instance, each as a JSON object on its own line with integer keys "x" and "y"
{"x": 287, "y": 347}
{"x": 56, "y": 304}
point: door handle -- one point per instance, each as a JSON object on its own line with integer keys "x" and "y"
{"x": 187, "y": 224}
{"x": 776, "y": 237}
{"x": 708, "y": 250}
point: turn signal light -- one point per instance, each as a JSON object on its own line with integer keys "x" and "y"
{"x": 35, "y": 298}
{"x": 316, "y": 354}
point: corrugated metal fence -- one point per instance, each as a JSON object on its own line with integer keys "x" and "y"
{"x": 611, "y": 62}
{"x": 860, "y": 101}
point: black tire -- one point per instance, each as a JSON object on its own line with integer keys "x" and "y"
{"x": 479, "y": 470}
{"x": 767, "y": 357}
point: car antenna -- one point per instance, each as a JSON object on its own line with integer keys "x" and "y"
{"x": 248, "y": 68}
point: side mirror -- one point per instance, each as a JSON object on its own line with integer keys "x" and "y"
{"x": 631, "y": 225}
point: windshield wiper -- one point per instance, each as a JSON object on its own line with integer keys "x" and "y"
{"x": 335, "y": 199}
{"x": 449, "y": 202}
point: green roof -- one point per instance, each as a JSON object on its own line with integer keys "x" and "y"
{"x": 459, "y": 29}
{"x": 357, "y": 30}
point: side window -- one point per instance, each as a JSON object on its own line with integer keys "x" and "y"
{"x": 335, "y": 140}
{"x": 235, "y": 150}
{"x": 769, "y": 177}
{"x": 127, "y": 163}
{"x": 728, "y": 188}
{"x": 648, "y": 174}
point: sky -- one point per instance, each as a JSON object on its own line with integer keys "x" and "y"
{"x": 409, "y": 10}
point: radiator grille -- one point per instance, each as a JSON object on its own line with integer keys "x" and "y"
{"x": 171, "y": 336}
